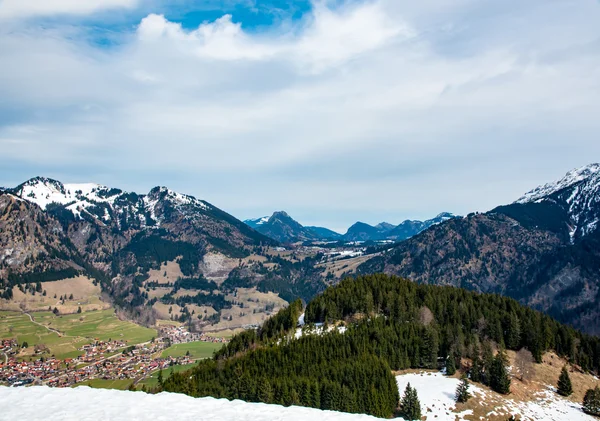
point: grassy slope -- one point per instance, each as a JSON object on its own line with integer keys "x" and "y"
{"x": 101, "y": 325}
{"x": 196, "y": 349}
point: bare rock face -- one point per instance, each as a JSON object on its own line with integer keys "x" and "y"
{"x": 543, "y": 250}
{"x": 30, "y": 240}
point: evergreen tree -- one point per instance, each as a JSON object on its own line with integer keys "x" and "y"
{"x": 450, "y": 365}
{"x": 265, "y": 392}
{"x": 160, "y": 378}
{"x": 499, "y": 379}
{"x": 565, "y": 388}
{"x": 462, "y": 391}
{"x": 410, "y": 407}
{"x": 513, "y": 334}
{"x": 591, "y": 401}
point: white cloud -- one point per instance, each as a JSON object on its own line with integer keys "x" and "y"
{"x": 410, "y": 109}
{"x": 27, "y": 8}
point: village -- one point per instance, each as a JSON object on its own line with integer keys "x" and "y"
{"x": 106, "y": 360}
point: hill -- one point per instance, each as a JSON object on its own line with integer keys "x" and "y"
{"x": 377, "y": 324}
{"x": 542, "y": 250}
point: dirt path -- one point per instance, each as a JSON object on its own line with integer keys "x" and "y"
{"x": 58, "y": 332}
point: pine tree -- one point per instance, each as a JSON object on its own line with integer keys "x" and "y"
{"x": 477, "y": 367}
{"x": 160, "y": 378}
{"x": 450, "y": 365}
{"x": 591, "y": 401}
{"x": 565, "y": 388}
{"x": 513, "y": 334}
{"x": 410, "y": 407}
{"x": 462, "y": 391}
{"x": 265, "y": 392}
{"x": 499, "y": 380}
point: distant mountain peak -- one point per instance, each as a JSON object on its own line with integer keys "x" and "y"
{"x": 282, "y": 227}
{"x": 573, "y": 177}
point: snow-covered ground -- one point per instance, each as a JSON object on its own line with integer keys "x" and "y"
{"x": 82, "y": 404}
{"x": 436, "y": 394}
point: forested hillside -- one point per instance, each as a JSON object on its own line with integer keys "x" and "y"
{"x": 392, "y": 324}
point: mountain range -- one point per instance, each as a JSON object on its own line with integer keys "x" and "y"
{"x": 282, "y": 227}
{"x": 543, "y": 249}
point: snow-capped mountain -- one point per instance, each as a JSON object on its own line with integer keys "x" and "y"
{"x": 105, "y": 203}
{"x": 577, "y": 194}
{"x": 48, "y": 226}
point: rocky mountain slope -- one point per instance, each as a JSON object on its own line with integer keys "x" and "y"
{"x": 52, "y": 230}
{"x": 543, "y": 250}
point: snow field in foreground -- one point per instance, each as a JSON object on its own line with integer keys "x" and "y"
{"x": 436, "y": 394}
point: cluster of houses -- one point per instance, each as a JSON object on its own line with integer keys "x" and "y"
{"x": 18, "y": 373}
{"x": 112, "y": 359}
{"x": 179, "y": 334}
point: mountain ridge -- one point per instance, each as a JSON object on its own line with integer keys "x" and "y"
{"x": 359, "y": 231}
{"x": 543, "y": 251}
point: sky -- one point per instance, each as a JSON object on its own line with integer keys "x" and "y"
{"x": 334, "y": 111}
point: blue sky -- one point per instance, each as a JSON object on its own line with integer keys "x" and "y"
{"x": 335, "y": 111}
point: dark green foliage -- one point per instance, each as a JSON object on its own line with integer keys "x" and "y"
{"x": 462, "y": 391}
{"x": 48, "y": 276}
{"x": 199, "y": 283}
{"x": 499, "y": 380}
{"x": 151, "y": 250}
{"x": 410, "y": 407}
{"x": 591, "y": 401}
{"x": 322, "y": 372}
{"x": 565, "y": 388}
{"x": 450, "y": 365}
{"x": 461, "y": 317}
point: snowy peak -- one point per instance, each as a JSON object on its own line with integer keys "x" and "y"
{"x": 178, "y": 199}
{"x": 571, "y": 178}
{"x": 257, "y": 221}
{"x": 104, "y": 203}
{"x": 577, "y": 194}
{"x": 43, "y": 191}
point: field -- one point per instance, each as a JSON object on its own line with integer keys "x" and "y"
{"x": 120, "y": 384}
{"x": 74, "y": 331}
{"x": 20, "y": 327}
{"x": 196, "y": 349}
{"x": 152, "y": 381}
{"x": 101, "y": 325}
{"x": 85, "y": 295}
